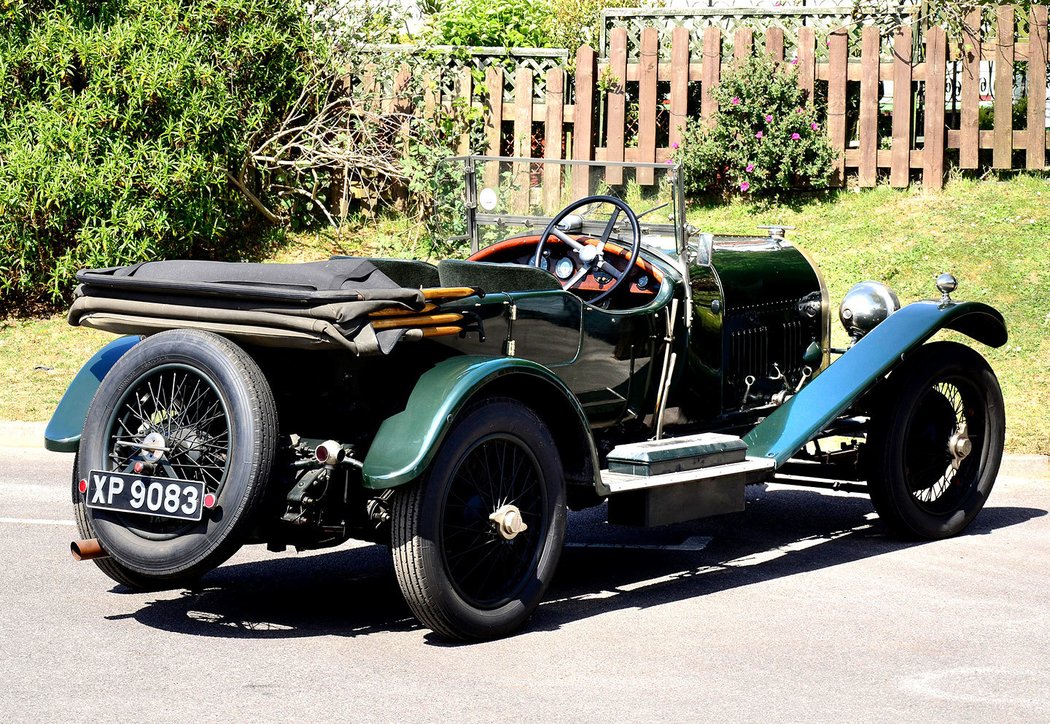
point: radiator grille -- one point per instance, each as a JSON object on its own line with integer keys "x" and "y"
{"x": 749, "y": 351}
{"x": 753, "y": 352}
{"x": 791, "y": 357}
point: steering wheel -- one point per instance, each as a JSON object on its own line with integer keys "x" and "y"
{"x": 592, "y": 256}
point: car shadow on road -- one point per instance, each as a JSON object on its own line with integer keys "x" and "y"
{"x": 603, "y": 568}
{"x": 785, "y": 533}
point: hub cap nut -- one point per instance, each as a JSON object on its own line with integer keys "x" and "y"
{"x": 508, "y": 521}
{"x": 959, "y": 446}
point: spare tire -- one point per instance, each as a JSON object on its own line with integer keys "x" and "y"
{"x": 208, "y": 404}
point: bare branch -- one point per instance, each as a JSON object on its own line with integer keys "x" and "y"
{"x": 256, "y": 202}
{"x": 330, "y": 133}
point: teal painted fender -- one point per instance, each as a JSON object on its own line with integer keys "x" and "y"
{"x": 407, "y": 442}
{"x": 63, "y": 431}
{"x": 801, "y": 418}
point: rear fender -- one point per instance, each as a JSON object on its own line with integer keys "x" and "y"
{"x": 63, "y": 431}
{"x": 406, "y": 442}
{"x": 827, "y": 396}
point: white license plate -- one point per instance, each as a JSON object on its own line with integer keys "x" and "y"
{"x": 145, "y": 494}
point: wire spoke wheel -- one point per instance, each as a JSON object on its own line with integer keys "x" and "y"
{"x": 477, "y": 541}
{"x": 935, "y": 441}
{"x": 178, "y": 407}
{"x": 486, "y": 566}
{"x": 949, "y": 415}
{"x": 185, "y": 405}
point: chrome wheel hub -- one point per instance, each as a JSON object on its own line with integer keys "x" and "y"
{"x": 508, "y": 522}
{"x": 959, "y": 445}
{"x": 153, "y": 447}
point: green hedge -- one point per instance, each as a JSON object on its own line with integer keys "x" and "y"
{"x": 119, "y": 120}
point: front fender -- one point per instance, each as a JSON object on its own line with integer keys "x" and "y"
{"x": 801, "y": 418}
{"x": 63, "y": 431}
{"x": 407, "y": 442}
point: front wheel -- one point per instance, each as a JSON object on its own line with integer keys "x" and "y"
{"x": 477, "y": 542}
{"x": 936, "y": 441}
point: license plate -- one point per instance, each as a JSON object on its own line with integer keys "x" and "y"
{"x": 145, "y": 494}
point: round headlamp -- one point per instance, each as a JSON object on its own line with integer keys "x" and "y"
{"x": 865, "y": 305}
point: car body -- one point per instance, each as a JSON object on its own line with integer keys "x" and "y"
{"x": 454, "y": 411}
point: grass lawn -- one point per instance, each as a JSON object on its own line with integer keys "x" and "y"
{"x": 38, "y": 358}
{"x": 993, "y": 235}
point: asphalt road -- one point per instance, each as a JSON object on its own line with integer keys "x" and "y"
{"x": 799, "y": 609}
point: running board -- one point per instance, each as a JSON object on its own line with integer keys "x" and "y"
{"x": 671, "y": 481}
{"x": 686, "y": 495}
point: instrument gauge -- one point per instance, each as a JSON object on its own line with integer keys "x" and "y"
{"x": 643, "y": 281}
{"x": 564, "y": 268}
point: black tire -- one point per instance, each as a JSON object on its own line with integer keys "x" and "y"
{"x": 461, "y": 577}
{"x": 917, "y": 486}
{"x": 109, "y": 566}
{"x": 213, "y": 407}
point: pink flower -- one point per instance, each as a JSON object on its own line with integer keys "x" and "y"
{"x": 798, "y": 110}
{"x": 794, "y": 62}
{"x": 750, "y": 167}
{"x": 769, "y": 119}
{"x": 759, "y": 134}
{"x": 735, "y": 101}
{"x": 814, "y": 126}
{"x": 745, "y": 186}
{"x": 795, "y": 136}
{"x": 674, "y": 146}
{"x": 669, "y": 161}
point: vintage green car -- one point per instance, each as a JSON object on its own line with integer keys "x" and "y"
{"x": 594, "y": 349}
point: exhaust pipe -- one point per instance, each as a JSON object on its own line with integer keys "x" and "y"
{"x": 87, "y": 550}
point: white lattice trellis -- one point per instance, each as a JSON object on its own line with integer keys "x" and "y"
{"x": 479, "y": 59}
{"x": 821, "y": 15}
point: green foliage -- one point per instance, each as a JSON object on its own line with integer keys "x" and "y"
{"x": 120, "y": 121}
{"x": 435, "y": 184}
{"x": 508, "y": 24}
{"x": 579, "y": 22}
{"x": 949, "y": 14}
{"x": 766, "y": 136}
{"x": 986, "y": 115}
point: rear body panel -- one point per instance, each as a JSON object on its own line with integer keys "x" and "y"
{"x": 63, "y": 431}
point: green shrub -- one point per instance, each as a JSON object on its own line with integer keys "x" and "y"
{"x": 579, "y": 22}
{"x": 986, "y": 115}
{"x": 507, "y": 23}
{"x": 766, "y": 136}
{"x": 120, "y": 121}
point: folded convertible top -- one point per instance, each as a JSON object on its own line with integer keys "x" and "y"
{"x": 288, "y": 305}
{"x": 343, "y": 279}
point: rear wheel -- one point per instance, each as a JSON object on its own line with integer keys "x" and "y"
{"x": 205, "y": 402}
{"x": 936, "y": 441}
{"x": 477, "y": 542}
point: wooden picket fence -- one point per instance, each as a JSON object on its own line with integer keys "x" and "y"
{"x": 587, "y": 117}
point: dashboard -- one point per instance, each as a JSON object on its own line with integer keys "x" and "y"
{"x": 563, "y": 262}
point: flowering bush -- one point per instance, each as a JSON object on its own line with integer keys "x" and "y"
{"x": 766, "y": 136}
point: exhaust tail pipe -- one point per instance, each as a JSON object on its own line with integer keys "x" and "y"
{"x": 87, "y": 550}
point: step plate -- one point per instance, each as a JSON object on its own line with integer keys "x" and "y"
{"x": 671, "y": 455}
{"x": 751, "y": 470}
{"x": 677, "y": 497}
